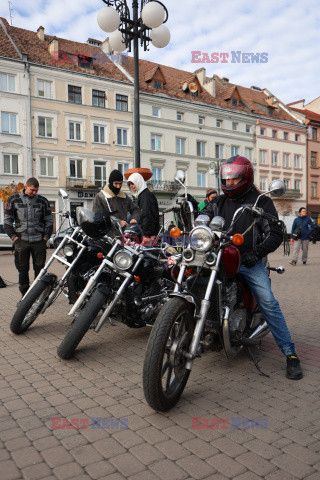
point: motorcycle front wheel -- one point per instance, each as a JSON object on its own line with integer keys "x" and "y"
{"x": 164, "y": 372}
{"x": 81, "y": 325}
{"x": 30, "y": 307}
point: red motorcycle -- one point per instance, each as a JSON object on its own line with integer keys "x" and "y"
{"x": 211, "y": 309}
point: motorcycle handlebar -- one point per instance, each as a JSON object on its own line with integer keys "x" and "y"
{"x": 258, "y": 212}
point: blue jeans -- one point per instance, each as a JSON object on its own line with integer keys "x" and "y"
{"x": 259, "y": 283}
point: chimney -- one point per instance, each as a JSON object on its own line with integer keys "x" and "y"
{"x": 40, "y": 33}
{"x": 225, "y": 79}
{"x": 201, "y": 74}
{"x": 54, "y": 48}
{"x": 210, "y": 86}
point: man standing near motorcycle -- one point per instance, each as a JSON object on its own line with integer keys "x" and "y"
{"x": 236, "y": 179}
{"x": 110, "y": 198}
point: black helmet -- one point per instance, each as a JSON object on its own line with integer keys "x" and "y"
{"x": 133, "y": 229}
{"x": 95, "y": 225}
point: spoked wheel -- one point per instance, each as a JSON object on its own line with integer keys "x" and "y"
{"x": 30, "y": 307}
{"x": 81, "y": 324}
{"x": 164, "y": 372}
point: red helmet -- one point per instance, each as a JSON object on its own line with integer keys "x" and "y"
{"x": 236, "y": 168}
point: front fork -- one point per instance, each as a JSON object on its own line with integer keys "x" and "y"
{"x": 201, "y": 318}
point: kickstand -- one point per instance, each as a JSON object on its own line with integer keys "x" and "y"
{"x": 256, "y": 362}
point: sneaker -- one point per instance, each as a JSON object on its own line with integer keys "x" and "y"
{"x": 293, "y": 262}
{"x": 294, "y": 371}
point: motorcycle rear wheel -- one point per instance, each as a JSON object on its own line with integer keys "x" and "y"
{"x": 30, "y": 307}
{"x": 81, "y": 325}
{"x": 164, "y": 372}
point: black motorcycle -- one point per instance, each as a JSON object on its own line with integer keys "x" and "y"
{"x": 134, "y": 288}
{"x": 80, "y": 255}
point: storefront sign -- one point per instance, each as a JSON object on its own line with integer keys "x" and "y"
{"x": 86, "y": 195}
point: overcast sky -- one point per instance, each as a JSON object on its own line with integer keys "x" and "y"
{"x": 287, "y": 30}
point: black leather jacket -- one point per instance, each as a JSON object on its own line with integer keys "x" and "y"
{"x": 264, "y": 237}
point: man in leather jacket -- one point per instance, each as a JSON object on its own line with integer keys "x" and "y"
{"x": 236, "y": 179}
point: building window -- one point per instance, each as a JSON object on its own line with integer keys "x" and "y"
{"x": 285, "y": 136}
{"x": 274, "y": 133}
{"x": 100, "y": 176}
{"x": 297, "y": 185}
{"x": 219, "y": 150}
{"x": 75, "y": 168}
{"x": 263, "y": 184}
{"x": 98, "y": 134}
{"x": 201, "y": 120}
{"x": 234, "y": 126}
{"x": 157, "y": 174}
{"x": 297, "y": 161}
{"x": 314, "y": 189}
{"x": 180, "y": 145}
{"x": 286, "y": 181}
{"x": 8, "y": 122}
{"x": 234, "y": 101}
{"x": 234, "y": 150}
{"x": 297, "y": 137}
{"x": 74, "y": 131}
{"x": 201, "y": 179}
{"x": 263, "y": 157}
{"x": 179, "y": 116}
{"x": 122, "y": 103}
{"x": 274, "y": 159}
{"x": 157, "y": 84}
{"x": 247, "y": 128}
{"x": 313, "y": 133}
{"x": 201, "y": 148}
{"x": 123, "y": 167}
{"x": 286, "y": 160}
{"x": 7, "y": 82}
{"x": 313, "y": 159}
{"x": 46, "y": 166}
{"x": 248, "y": 153}
{"x": 219, "y": 123}
{"x": 156, "y": 143}
{"x": 44, "y": 88}
{"x": 270, "y": 111}
{"x": 45, "y": 126}
{"x": 74, "y": 94}
{"x": 155, "y": 112}
{"x": 122, "y": 136}
{"x": 98, "y": 98}
{"x": 10, "y": 164}
{"x": 262, "y": 131}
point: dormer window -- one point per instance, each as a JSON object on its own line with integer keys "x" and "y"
{"x": 157, "y": 84}
{"x": 234, "y": 101}
{"x": 270, "y": 111}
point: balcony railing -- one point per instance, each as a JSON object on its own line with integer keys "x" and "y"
{"x": 88, "y": 182}
{"x": 163, "y": 186}
{"x": 291, "y": 193}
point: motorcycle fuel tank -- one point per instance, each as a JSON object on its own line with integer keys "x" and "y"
{"x": 231, "y": 259}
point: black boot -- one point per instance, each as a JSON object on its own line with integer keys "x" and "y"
{"x": 294, "y": 371}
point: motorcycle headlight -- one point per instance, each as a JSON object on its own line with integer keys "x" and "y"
{"x": 123, "y": 260}
{"x": 68, "y": 251}
{"x": 201, "y": 238}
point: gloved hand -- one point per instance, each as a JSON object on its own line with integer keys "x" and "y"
{"x": 249, "y": 259}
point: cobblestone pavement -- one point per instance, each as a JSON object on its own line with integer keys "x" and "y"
{"x": 104, "y": 380}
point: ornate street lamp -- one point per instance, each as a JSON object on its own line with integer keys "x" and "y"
{"x": 148, "y": 27}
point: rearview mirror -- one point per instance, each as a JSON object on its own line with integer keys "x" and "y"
{"x": 63, "y": 193}
{"x": 277, "y": 188}
{"x": 180, "y": 177}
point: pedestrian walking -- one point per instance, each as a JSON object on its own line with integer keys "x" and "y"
{"x": 300, "y": 233}
{"x": 28, "y": 222}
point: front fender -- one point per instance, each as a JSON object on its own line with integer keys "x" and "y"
{"x": 186, "y": 297}
{"x": 49, "y": 278}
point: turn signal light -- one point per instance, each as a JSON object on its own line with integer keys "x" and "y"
{"x": 237, "y": 239}
{"x": 175, "y": 232}
{"x": 100, "y": 255}
{"x": 137, "y": 279}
